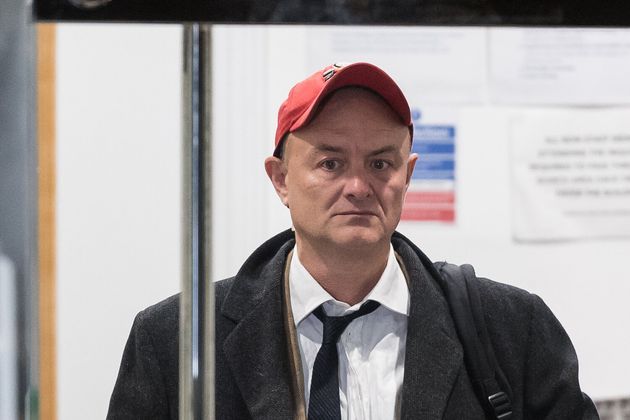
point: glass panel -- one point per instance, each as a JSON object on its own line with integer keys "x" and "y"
{"x": 119, "y": 168}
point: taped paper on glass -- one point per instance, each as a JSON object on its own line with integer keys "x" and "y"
{"x": 426, "y": 63}
{"x": 571, "y": 174}
{"x": 559, "y": 66}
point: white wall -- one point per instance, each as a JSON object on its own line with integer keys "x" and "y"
{"x": 118, "y": 204}
{"x": 118, "y": 200}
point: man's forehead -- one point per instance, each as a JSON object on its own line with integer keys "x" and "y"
{"x": 318, "y": 145}
{"x": 324, "y": 146}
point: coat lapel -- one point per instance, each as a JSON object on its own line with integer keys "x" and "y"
{"x": 434, "y": 356}
{"x": 256, "y": 349}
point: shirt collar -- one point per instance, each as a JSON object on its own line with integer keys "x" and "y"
{"x": 390, "y": 291}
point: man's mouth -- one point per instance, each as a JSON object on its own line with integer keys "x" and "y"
{"x": 356, "y": 213}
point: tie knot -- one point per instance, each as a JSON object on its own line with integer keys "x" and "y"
{"x": 334, "y": 326}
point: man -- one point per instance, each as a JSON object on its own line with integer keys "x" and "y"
{"x": 342, "y": 317}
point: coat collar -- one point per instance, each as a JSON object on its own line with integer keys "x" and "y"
{"x": 257, "y": 351}
{"x": 259, "y": 275}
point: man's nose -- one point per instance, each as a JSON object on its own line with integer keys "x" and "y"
{"x": 358, "y": 185}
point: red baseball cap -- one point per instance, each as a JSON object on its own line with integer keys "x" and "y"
{"x": 304, "y": 98}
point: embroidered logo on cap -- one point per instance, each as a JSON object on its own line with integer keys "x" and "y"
{"x": 327, "y": 74}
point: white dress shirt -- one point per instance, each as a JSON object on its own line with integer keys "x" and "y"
{"x": 371, "y": 349}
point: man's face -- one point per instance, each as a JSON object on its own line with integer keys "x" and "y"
{"x": 344, "y": 176}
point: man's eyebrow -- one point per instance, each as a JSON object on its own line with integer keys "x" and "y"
{"x": 387, "y": 149}
{"x": 328, "y": 148}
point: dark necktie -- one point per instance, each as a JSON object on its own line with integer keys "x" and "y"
{"x": 324, "y": 397}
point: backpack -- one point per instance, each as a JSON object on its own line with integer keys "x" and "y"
{"x": 459, "y": 284}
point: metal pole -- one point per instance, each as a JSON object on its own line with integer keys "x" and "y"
{"x": 196, "y": 339}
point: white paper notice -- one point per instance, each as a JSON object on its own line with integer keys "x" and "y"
{"x": 560, "y": 66}
{"x": 571, "y": 174}
{"x": 435, "y": 65}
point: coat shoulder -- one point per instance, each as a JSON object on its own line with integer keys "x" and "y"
{"x": 504, "y": 297}
{"x": 507, "y": 312}
{"x": 164, "y": 315}
{"x": 534, "y": 352}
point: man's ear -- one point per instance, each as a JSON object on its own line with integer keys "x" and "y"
{"x": 411, "y": 163}
{"x": 277, "y": 172}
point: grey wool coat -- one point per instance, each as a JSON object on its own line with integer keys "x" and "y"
{"x": 254, "y": 378}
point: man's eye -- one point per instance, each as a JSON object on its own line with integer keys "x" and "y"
{"x": 380, "y": 164}
{"x": 330, "y": 165}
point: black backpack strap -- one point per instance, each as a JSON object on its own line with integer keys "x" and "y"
{"x": 460, "y": 287}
